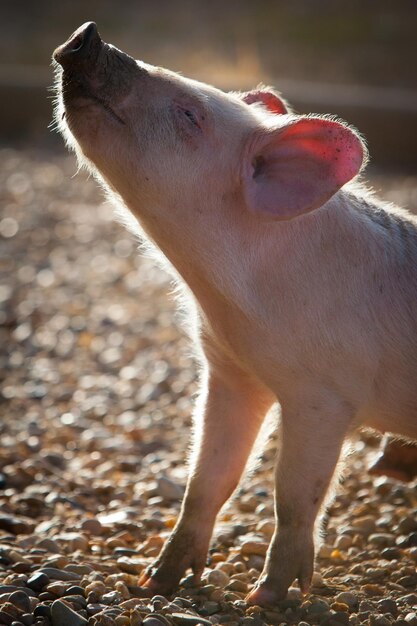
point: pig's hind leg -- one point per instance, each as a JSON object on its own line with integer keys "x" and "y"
{"x": 397, "y": 459}
{"x": 310, "y": 442}
{"x": 229, "y": 413}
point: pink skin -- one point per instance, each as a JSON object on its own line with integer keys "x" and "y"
{"x": 269, "y": 99}
{"x": 280, "y": 309}
{"x": 305, "y": 150}
{"x": 231, "y": 401}
{"x": 301, "y": 166}
{"x": 298, "y": 502}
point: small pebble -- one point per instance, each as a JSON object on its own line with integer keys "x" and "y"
{"x": 387, "y": 605}
{"x": 42, "y": 610}
{"x": 343, "y": 542}
{"x": 20, "y": 600}
{"x": 97, "y": 586}
{"x": 105, "y": 619}
{"x": 254, "y": 547}
{"x": 130, "y": 566}
{"x": 5, "y": 618}
{"x": 185, "y": 619}
{"x": 372, "y": 590}
{"x": 75, "y": 541}
{"x": 16, "y": 525}
{"x": 379, "y": 620}
{"x": 111, "y": 597}
{"x": 365, "y": 524}
{"x": 317, "y": 580}
{"x": 218, "y": 577}
{"x": 366, "y": 605}
{"x": 82, "y": 570}
{"x": 407, "y": 524}
{"x": 391, "y": 553}
{"x": 56, "y": 574}
{"x": 349, "y": 598}
{"x": 237, "y": 585}
{"x": 153, "y": 621}
{"x": 325, "y": 551}
{"x": 267, "y": 528}
{"x": 57, "y": 588}
{"x": 11, "y": 609}
{"x": 169, "y": 490}
{"x": 63, "y": 615}
{"x": 381, "y": 540}
{"x": 49, "y": 544}
{"x": 91, "y": 526}
{"x": 318, "y": 606}
{"x": 75, "y": 590}
{"x": 79, "y": 600}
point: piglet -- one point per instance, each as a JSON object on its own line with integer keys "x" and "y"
{"x": 300, "y": 286}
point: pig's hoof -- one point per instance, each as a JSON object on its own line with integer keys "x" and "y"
{"x": 158, "y": 582}
{"x": 154, "y": 587}
{"x": 144, "y": 577}
{"x": 265, "y": 596}
{"x": 179, "y": 554}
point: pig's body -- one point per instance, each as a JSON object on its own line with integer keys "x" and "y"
{"x": 301, "y": 290}
{"x": 346, "y": 325}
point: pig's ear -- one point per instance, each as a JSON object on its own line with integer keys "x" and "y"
{"x": 269, "y": 98}
{"x": 297, "y": 168}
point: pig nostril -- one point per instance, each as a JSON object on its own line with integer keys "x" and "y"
{"x": 76, "y": 44}
{"x": 79, "y": 45}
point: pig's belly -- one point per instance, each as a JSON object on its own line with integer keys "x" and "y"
{"x": 399, "y": 419}
{"x": 395, "y": 396}
{"x": 389, "y": 406}
{"x": 287, "y": 363}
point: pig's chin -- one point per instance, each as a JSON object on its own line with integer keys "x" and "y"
{"x": 87, "y": 125}
{"x": 81, "y": 99}
{"x": 81, "y": 128}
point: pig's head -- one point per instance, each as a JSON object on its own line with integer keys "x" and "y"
{"x": 171, "y": 147}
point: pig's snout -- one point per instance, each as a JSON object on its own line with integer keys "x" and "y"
{"x": 82, "y": 47}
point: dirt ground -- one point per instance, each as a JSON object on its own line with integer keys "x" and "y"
{"x": 96, "y": 401}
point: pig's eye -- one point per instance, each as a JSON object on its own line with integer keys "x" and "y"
{"x": 191, "y": 116}
{"x": 188, "y": 117}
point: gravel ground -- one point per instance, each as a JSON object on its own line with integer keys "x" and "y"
{"x": 96, "y": 403}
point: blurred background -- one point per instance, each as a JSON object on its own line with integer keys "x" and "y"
{"x": 355, "y": 59}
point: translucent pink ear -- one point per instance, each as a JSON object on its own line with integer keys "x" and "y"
{"x": 268, "y": 98}
{"x": 297, "y": 168}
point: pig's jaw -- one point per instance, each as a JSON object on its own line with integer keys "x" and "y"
{"x": 90, "y": 97}
{"x": 77, "y": 97}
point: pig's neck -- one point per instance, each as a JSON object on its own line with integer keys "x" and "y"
{"x": 203, "y": 254}
{"x": 228, "y": 257}
{"x": 237, "y": 264}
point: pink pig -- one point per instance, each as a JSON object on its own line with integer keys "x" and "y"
{"x": 301, "y": 287}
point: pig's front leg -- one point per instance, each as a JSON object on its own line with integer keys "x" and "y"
{"x": 229, "y": 412}
{"x": 310, "y": 442}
